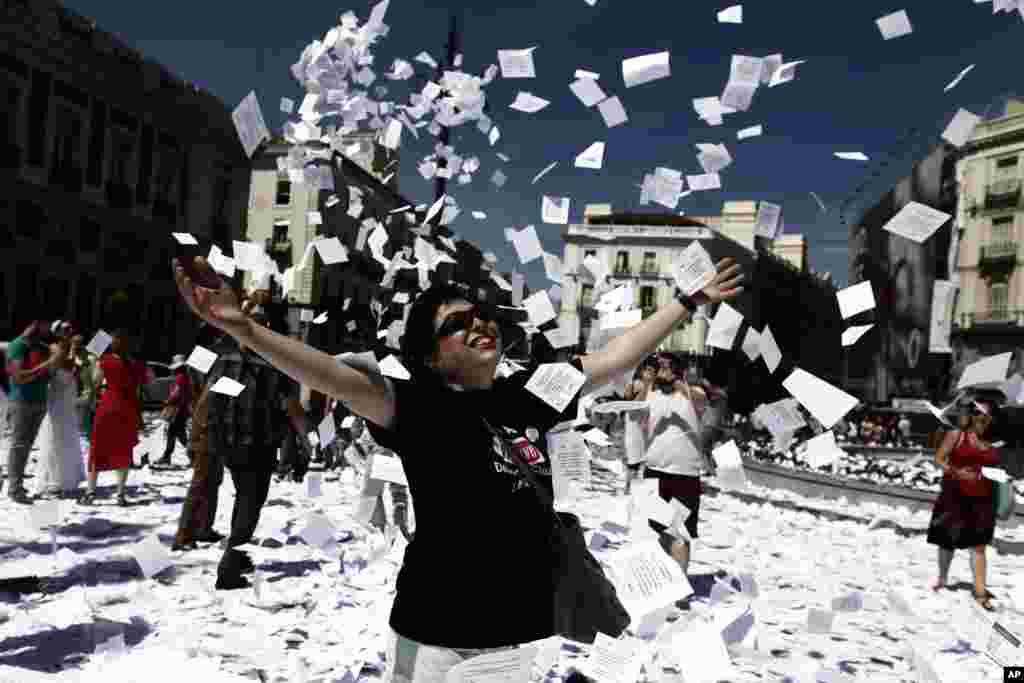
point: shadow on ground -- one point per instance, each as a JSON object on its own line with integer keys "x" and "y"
{"x": 52, "y": 650}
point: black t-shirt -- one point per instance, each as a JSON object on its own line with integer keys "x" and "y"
{"x": 478, "y": 572}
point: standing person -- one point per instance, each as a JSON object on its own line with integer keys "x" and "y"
{"x": 674, "y": 455}
{"x": 964, "y": 514}
{"x": 88, "y": 377}
{"x": 246, "y": 431}
{"x": 29, "y": 365}
{"x": 634, "y": 432}
{"x": 904, "y": 429}
{"x": 118, "y": 415}
{"x": 451, "y": 348}
{"x": 177, "y": 409}
{"x": 61, "y": 451}
{"x": 399, "y": 493}
{"x": 199, "y": 510}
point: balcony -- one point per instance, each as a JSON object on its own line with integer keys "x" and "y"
{"x": 120, "y": 195}
{"x": 623, "y": 272}
{"x": 280, "y": 246}
{"x": 1002, "y": 194}
{"x": 68, "y": 177}
{"x": 997, "y": 258}
{"x": 993, "y": 316}
{"x": 650, "y": 270}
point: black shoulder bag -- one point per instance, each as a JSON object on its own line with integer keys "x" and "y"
{"x": 585, "y": 602}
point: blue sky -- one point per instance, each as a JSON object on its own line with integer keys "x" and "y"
{"x": 856, "y": 92}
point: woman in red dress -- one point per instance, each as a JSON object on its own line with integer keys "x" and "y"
{"x": 115, "y": 429}
{"x": 964, "y": 514}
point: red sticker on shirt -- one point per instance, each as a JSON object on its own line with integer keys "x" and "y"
{"x": 528, "y": 452}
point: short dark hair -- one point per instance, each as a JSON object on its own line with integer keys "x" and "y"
{"x": 419, "y": 342}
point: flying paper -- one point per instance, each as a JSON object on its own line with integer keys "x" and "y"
{"x": 956, "y": 81}
{"x": 894, "y": 25}
{"x": 852, "y": 156}
{"x": 987, "y": 373}
{"x": 587, "y": 91}
{"x": 856, "y": 299}
{"x": 916, "y": 222}
{"x": 640, "y": 70}
{"x": 960, "y": 129}
{"x": 612, "y": 112}
{"x": 516, "y": 63}
{"x": 555, "y": 210}
{"x": 854, "y": 333}
{"x": 731, "y": 15}
{"x": 724, "y": 327}
{"x": 751, "y": 132}
{"x": 770, "y": 351}
{"x": 591, "y": 157}
{"x": 528, "y": 103}
{"x": 825, "y": 402}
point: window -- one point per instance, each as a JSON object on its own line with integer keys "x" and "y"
{"x": 1002, "y": 229}
{"x": 647, "y": 297}
{"x": 10, "y": 107}
{"x": 280, "y": 232}
{"x": 622, "y": 262}
{"x": 167, "y": 176}
{"x": 587, "y": 296}
{"x": 284, "y": 193}
{"x": 122, "y": 148}
{"x": 85, "y": 301}
{"x": 67, "y": 143}
{"x": 97, "y": 143}
{"x": 587, "y": 253}
{"x": 38, "y": 116}
{"x": 1006, "y": 163}
{"x": 650, "y": 262}
{"x": 998, "y": 300}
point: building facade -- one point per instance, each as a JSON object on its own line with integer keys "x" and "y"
{"x": 102, "y": 155}
{"x": 894, "y": 360}
{"x": 793, "y": 250}
{"x": 989, "y": 312}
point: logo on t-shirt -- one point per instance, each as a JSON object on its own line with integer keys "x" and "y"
{"x": 529, "y": 453}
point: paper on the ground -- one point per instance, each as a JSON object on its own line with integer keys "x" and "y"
{"x": 894, "y": 25}
{"x": 828, "y": 404}
{"x": 314, "y": 484}
{"x": 517, "y": 63}
{"x": 750, "y": 132}
{"x": 151, "y": 555}
{"x": 539, "y": 308}
{"x": 249, "y": 123}
{"x": 528, "y": 103}
{"x": 202, "y": 359}
{"x": 331, "y": 250}
{"x": 852, "y": 156}
{"x": 185, "y": 238}
{"x": 822, "y": 450}
{"x": 506, "y": 666}
{"x": 612, "y": 112}
{"x": 526, "y": 244}
{"x": 856, "y": 299}
{"x": 99, "y": 343}
{"x": 988, "y": 373}
{"x": 768, "y": 215}
{"x": 724, "y": 327}
{"x": 960, "y": 76}
{"x": 770, "y": 351}
{"x": 318, "y": 530}
{"x": 555, "y": 210}
{"x": 556, "y": 383}
{"x": 227, "y": 386}
{"x": 731, "y": 15}
{"x": 392, "y": 367}
{"x": 647, "y": 579}
{"x": 752, "y": 344}
{"x": 591, "y": 157}
{"x": 960, "y": 129}
{"x": 611, "y": 659}
{"x": 570, "y": 461}
{"x": 640, "y": 70}
{"x": 917, "y": 222}
{"x": 713, "y": 664}
{"x": 852, "y": 334}
{"x": 587, "y": 91}
{"x": 695, "y": 270}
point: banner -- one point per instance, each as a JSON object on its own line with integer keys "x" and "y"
{"x": 943, "y": 294}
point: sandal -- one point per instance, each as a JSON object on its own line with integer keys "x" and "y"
{"x": 87, "y": 498}
{"x": 938, "y": 585}
{"x": 985, "y": 602}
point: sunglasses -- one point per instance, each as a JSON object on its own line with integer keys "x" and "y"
{"x": 461, "y": 321}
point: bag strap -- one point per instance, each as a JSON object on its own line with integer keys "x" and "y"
{"x": 545, "y": 498}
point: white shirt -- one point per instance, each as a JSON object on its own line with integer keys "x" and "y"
{"x": 673, "y": 443}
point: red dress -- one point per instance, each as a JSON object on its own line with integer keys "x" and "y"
{"x": 964, "y": 513}
{"x": 115, "y": 430}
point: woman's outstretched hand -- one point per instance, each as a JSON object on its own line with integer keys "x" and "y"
{"x": 218, "y": 307}
{"x": 725, "y": 285}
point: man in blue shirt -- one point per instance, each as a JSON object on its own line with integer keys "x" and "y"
{"x": 28, "y": 366}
